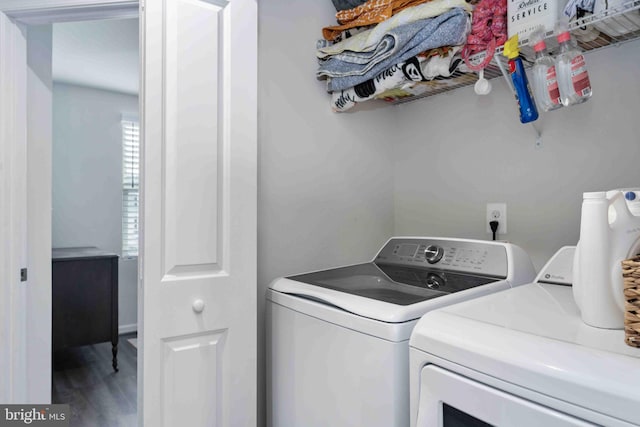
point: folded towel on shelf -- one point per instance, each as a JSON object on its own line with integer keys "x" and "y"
{"x": 393, "y": 77}
{"x": 347, "y": 4}
{"x": 367, "y": 40}
{"x": 371, "y": 12}
{"x": 346, "y": 34}
{"x": 347, "y": 63}
{"x": 447, "y": 29}
{"x": 420, "y": 68}
{"x": 441, "y": 62}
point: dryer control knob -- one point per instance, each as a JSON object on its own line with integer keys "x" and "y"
{"x": 433, "y": 254}
{"x": 630, "y": 196}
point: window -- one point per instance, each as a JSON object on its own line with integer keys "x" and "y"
{"x": 130, "y": 186}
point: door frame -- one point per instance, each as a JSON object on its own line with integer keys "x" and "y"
{"x": 18, "y": 304}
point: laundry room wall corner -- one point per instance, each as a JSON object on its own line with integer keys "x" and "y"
{"x": 325, "y": 180}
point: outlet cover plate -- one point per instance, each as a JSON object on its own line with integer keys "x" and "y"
{"x": 498, "y": 212}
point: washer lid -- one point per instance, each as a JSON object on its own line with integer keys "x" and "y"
{"x": 392, "y": 283}
{"x": 412, "y": 275}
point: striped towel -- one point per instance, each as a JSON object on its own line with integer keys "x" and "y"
{"x": 371, "y": 12}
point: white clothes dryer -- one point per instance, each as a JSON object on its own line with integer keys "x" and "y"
{"x": 337, "y": 340}
{"x": 522, "y": 358}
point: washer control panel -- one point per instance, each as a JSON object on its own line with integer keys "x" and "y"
{"x": 471, "y": 256}
{"x": 433, "y": 253}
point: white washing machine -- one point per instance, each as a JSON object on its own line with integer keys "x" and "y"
{"x": 337, "y": 340}
{"x": 522, "y": 358}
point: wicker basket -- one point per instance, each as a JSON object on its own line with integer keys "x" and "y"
{"x": 631, "y": 276}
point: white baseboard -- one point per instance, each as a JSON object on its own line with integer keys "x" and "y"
{"x": 126, "y": 329}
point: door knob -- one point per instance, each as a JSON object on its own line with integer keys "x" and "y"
{"x": 198, "y": 306}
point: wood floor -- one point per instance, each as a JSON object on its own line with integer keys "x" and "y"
{"x": 98, "y": 396}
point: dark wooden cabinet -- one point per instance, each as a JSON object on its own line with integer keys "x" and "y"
{"x": 84, "y": 298}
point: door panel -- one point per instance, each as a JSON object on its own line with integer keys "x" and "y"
{"x": 193, "y": 372}
{"x": 198, "y": 259}
{"x": 194, "y": 138}
{"x": 15, "y": 360}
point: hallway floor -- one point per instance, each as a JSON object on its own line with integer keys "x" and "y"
{"x": 98, "y": 396}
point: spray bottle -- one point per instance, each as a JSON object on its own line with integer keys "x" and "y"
{"x": 528, "y": 111}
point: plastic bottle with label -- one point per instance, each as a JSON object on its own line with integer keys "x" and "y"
{"x": 526, "y": 104}
{"x": 545, "y": 83}
{"x": 571, "y": 69}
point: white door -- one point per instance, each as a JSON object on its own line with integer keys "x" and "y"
{"x": 25, "y": 187}
{"x": 13, "y": 208}
{"x": 198, "y": 259}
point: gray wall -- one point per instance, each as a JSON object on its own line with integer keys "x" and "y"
{"x": 87, "y": 170}
{"x": 458, "y": 151}
{"x": 325, "y": 189}
{"x": 333, "y": 187}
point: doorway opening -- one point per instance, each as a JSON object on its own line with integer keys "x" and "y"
{"x": 197, "y": 290}
{"x": 95, "y": 217}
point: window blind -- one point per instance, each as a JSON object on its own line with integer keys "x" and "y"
{"x": 130, "y": 187}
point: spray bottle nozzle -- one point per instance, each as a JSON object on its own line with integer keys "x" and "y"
{"x": 511, "y": 50}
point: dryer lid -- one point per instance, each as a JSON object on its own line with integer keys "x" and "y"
{"x": 532, "y": 337}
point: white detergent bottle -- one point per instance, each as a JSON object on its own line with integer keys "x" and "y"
{"x": 591, "y": 289}
{"x": 609, "y": 233}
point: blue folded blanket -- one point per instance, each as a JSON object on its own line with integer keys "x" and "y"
{"x": 350, "y": 68}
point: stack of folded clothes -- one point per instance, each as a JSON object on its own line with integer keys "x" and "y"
{"x": 381, "y": 48}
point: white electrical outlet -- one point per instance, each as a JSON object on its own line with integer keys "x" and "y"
{"x": 497, "y": 212}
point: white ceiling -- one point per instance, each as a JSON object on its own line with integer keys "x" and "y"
{"x": 100, "y": 54}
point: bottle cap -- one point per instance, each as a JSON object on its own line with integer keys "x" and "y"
{"x": 562, "y": 31}
{"x": 537, "y": 39}
{"x": 594, "y": 195}
{"x": 511, "y": 50}
{"x": 539, "y": 46}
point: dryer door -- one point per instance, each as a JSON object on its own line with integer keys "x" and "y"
{"x": 448, "y": 399}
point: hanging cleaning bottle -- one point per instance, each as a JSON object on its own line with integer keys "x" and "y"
{"x": 573, "y": 79}
{"x": 545, "y": 83}
{"x": 528, "y": 111}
